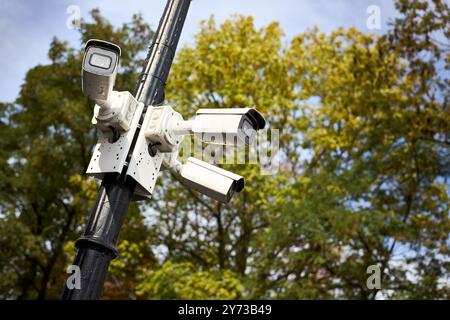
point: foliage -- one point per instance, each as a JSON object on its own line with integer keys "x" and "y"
{"x": 44, "y": 200}
{"x": 364, "y": 159}
{"x": 189, "y": 284}
{"x": 363, "y": 175}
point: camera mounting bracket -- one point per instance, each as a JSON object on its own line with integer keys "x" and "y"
{"x": 143, "y": 166}
{"x": 109, "y": 155}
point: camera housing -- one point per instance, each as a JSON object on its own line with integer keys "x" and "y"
{"x": 99, "y": 69}
{"x": 210, "y": 180}
{"x": 112, "y": 109}
{"x": 233, "y": 126}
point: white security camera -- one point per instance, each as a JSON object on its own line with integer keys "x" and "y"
{"x": 210, "y": 180}
{"x": 235, "y": 126}
{"x": 100, "y": 63}
{"x": 113, "y": 110}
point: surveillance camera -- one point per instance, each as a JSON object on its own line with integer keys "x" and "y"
{"x": 100, "y": 63}
{"x": 235, "y": 126}
{"x": 210, "y": 180}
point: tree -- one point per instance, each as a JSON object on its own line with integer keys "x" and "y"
{"x": 364, "y": 159}
{"x": 362, "y": 180}
{"x": 44, "y": 199}
{"x": 221, "y": 72}
{"x": 184, "y": 281}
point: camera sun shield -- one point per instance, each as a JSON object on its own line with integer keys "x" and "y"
{"x": 100, "y": 63}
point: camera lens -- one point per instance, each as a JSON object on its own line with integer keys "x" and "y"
{"x": 100, "y": 60}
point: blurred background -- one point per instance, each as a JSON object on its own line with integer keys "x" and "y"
{"x": 358, "y": 93}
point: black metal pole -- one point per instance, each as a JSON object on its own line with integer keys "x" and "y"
{"x": 97, "y": 247}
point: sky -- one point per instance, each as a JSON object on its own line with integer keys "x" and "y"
{"x": 27, "y": 26}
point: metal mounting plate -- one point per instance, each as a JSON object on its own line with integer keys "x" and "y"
{"x": 111, "y": 157}
{"x": 143, "y": 167}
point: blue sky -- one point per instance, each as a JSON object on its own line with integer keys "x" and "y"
{"x": 27, "y": 26}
